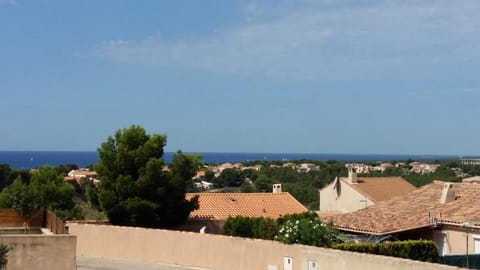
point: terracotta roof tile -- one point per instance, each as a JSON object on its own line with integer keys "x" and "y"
{"x": 381, "y": 188}
{"x": 415, "y": 209}
{"x": 222, "y": 205}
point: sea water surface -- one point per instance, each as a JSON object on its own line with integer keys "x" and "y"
{"x": 34, "y": 159}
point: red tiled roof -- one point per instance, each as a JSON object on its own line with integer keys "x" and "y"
{"x": 415, "y": 209}
{"x": 222, "y": 205}
{"x": 381, "y": 188}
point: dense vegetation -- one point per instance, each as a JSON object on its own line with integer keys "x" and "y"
{"x": 135, "y": 190}
{"x": 304, "y": 185}
{"x": 421, "y": 250}
{"x": 41, "y": 188}
{"x": 305, "y": 228}
{"x": 3, "y": 256}
{"x": 261, "y": 228}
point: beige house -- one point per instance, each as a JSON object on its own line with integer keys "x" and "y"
{"x": 349, "y": 194}
{"x": 82, "y": 175}
{"x": 447, "y": 213}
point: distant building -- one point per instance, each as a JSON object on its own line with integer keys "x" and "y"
{"x": 470, "y": 161}
{"x": 82, "y": 176}
{"x": 307, "y": 167}
{"x": 348, "y": 194}
{"x": 423, "y": 168}
{"x": 359, "y": 167}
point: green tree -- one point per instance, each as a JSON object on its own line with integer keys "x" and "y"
{"x": 230, "y": 178}
{"x": 263, "y": 183}
{"x": 4, "y": 249}
{"x": 5, "y": 172}
{"x": 54, "y": 194}
{"x": 21, "y": 198}
{"x": 209, "y": 176}
{"x": 135, "y": 190}
{"x": 64, "y": 169}
{"x": 247, "y": 188}
{"x": 91, "y": 194}
{"x": 8, "y": 175}
{"x": 46, "y": 189}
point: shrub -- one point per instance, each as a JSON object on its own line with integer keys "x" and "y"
{"x": 238, "y": 226}
{"x": 263, "y": 228}
{"x": 304, "y": 228}
{"x": 421, "y": 250}
{"x": 307, "y": 229}
{"x": 3, "y": 256}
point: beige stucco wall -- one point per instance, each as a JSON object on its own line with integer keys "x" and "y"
{"x": 221, "y": 252}
{"x": 455, "y": 242}
{"x": 349, "y": 200}
{"x": 52, "y": 252}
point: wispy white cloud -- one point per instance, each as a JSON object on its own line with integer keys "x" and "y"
{"x": 325, "y": 40}
{"x": 8, "y": 2}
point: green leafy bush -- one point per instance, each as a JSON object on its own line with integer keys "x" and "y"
{"x": 307, "y": 229}
{"x": 421, "y": 250}
{"x": 304, "y": 228}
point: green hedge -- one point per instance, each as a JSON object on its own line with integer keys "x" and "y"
{"x": 304, "y": 228}
{"x": 421, "y": 250}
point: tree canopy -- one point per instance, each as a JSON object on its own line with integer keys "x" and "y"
{"x": 45, "y": 189}
{"x": 135, "y": 187}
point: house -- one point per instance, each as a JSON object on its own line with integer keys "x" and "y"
{"x": 423, "y": 168}
{"x": 360, "y": 167}
{"x": 348, "y": 194}
{"x": 307, "y": 167}
{"x": 203, "y": 185}
{"x": 82, "y": 175}
{"x": 447, "y": 213}
{"x": 469, "y": 161}
{"x": 215, "y": 208}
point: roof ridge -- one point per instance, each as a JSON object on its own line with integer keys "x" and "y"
{"x": 236, "y": 193}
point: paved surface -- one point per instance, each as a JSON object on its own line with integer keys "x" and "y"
{"x": 93, "y": 263}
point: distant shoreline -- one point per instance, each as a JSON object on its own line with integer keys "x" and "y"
{"x": 33, "y": 159}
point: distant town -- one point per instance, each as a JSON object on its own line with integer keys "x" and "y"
{"x": 294, "y": 206}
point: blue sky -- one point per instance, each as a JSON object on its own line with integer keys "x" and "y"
{"x": 393, "y": 77}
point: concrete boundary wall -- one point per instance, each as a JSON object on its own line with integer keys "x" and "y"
{"x": 223, "y": 252}
{"x": 52, "y": 252}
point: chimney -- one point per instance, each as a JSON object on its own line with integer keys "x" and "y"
{"x": 448, "y": 194}
{"x": 352, "y": 175}
{"x": 277, "y": 188}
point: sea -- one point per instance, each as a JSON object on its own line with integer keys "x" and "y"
{"x": 34, "y": 159}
